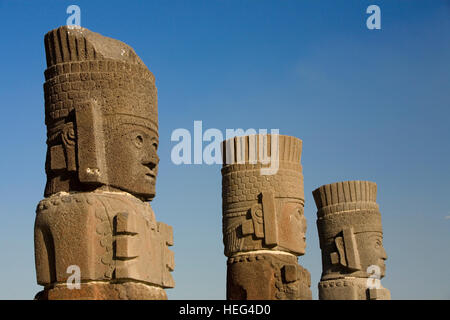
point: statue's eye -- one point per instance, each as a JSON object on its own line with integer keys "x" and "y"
{"x": 378, "y": 244}
{"x": 139, "y": 140}
{"x": 155, "y": 145}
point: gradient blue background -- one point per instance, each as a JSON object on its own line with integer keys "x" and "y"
{"x": 368, "y": 104}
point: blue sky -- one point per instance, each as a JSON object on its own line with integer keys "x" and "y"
{"x": 368, "y": 105}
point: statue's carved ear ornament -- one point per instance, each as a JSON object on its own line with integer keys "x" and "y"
{"x": 69, "y": 141}
{"x": 81, "y": 145}
{"x": 347, "y": 253}
{"x": 90, "y": 141}
{"x": 270, "y": 218}
{"x": 62, "y": 148}
{"x": 263, "y": 223}
{"x": 256, "y": 224}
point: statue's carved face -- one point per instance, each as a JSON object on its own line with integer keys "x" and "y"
{"x": 371, "y": 250}
{"x": 292, "y": 227}
{"x": 132, "y": 160}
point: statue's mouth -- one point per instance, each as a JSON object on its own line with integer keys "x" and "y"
{"x": 150, "y": 176}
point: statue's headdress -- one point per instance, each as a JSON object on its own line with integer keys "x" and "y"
{"x": 246, "y": 157}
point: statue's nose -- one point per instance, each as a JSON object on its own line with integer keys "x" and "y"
{"x": 151, "y": 163}
{"x": 155, "y": 158}
{"x": 304, "y": 224}
{"x": 151, "y": 160}
{"x": 383, "y": 253}
{"x": 151, "y": 157}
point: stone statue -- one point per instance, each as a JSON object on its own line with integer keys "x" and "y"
{"x": 102, "y": 162}
{"x": 351, "y": 240}
{"x": 263, "y": 222}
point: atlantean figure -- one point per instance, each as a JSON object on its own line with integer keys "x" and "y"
{"x": 102, "y": 136}
{"x": 263, "y": 222}
{"x": 351, "y": 239}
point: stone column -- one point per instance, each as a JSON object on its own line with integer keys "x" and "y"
{"x": 351, "y": 240}
{"x": 95, "y": 222}
{"x": 263, "y": 222}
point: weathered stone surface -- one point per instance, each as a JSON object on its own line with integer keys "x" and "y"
{"x": 102, "y": 163}
{"x": 267, "y": 276}
{"x": 351, "y": 289}
{"x": 351, "y": 240}
{"x": 262, "y": 211}
{"x": 109, "y": 236}
{"x": 104, "y": 291}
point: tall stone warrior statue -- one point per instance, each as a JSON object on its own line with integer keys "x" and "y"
{"x": 96, "y": 236}
{"x": 263, "y": 222}
{"x": 351, "y": 239}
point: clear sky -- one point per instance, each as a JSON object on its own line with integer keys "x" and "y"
{"x": 368, "y": 105}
